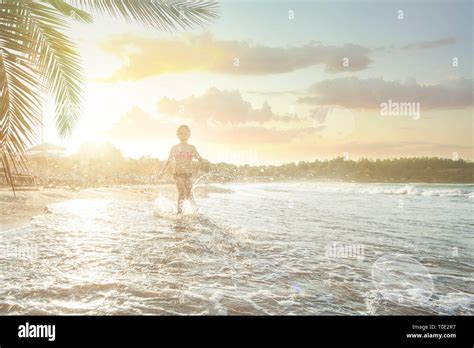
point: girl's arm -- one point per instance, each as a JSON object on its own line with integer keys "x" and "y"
{"x": 197, "y": 155}
{"x": 167, "y": 163}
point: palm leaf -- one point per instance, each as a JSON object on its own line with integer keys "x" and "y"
{"x": 163, "y": 15}
{"x": 19, "y": 99}
{"x": 58, "y": 63}
{"x": 70, "y": 11}
{"x": 37, "y": 56}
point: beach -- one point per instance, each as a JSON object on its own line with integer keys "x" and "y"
{"x": 18, "y": 211}
{"x": 285, "y": 248}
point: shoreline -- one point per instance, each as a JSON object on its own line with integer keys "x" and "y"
{"x": 322, "y": 180}
{"x": 18, "y": 211}
{"x": 29, "y": 202}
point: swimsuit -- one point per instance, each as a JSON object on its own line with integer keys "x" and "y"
{"x": 182, "y": 175}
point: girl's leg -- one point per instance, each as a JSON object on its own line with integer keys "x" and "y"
{"x": 180, "y": 185}
{"x": 189, "y": 189}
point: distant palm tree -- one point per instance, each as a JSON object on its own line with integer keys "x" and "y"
{"x": 37, "y": 58}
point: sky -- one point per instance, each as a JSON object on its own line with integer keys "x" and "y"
{"x": 272, "y": 82}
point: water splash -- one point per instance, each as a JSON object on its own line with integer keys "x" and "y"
{"x": 163, "y": 207}
{"x": 128, "y": 257}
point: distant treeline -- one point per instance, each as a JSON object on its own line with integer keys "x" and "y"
{"x": 417, "y": 169}
{"x": 108, "y": 167}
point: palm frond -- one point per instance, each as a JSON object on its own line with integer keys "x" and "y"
{"x": 163, "y": 15}
{"x": 70, "y": 11}
{"x": 20, "y": 102}
{"x": 39, "y": 29}
{"x": 37, "y": 56}
{"x": 58, "y": 63}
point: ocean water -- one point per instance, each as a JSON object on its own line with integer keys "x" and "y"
{"x": 295, "y": 248}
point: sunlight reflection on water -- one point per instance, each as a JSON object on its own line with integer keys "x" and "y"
{"x": 265, "y": 249}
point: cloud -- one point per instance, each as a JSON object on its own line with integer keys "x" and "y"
{"x": 275, "y": 93}
{"x": 145, "y": 57}
{"x": 139, "y": 125}
{"x": 219, "y": 107}
{"x": 353, "y": 92}
{"x": 298, "y": 142}
{"x": 429, "y": 44}
{"x": 421, "y": 45}
{"x": 256, "y": 135}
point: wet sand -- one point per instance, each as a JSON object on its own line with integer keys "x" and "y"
{"x": 18, "y": 211}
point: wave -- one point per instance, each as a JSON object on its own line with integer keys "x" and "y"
{"x": 434, "y": 190}
{"x": 411, "y": 190}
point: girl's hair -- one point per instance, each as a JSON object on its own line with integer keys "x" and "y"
{"x": 183, "y": 127}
